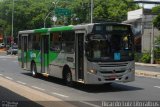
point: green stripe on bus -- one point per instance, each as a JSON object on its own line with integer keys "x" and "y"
{"x": 52, "y": 56}
{"x": 48, "y": 60}
{"x": 64, "y": 28}
{"x": 43, "y": 30}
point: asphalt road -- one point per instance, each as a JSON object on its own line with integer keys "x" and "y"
{"x": 147, "y": 68}
{"x": 142, "y": 89}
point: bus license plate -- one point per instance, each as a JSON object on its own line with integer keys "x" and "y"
{"x": 113, "y": 77}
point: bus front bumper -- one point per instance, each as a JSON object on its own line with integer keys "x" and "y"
{"x": 97, "y": 79}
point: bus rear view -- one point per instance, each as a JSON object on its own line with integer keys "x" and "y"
{"x": 109, "y": 52}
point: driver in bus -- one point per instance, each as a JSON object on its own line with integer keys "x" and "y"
{"x": 96, "y": 52}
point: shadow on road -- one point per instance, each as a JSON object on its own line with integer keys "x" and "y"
{"x": 11, "y": 99}
{"x": 114, "y": 87}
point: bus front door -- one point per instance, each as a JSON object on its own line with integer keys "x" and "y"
{"x": 24, "y": 45}
{"x": 44, "y": 54}
{"x": 80, "y": 56}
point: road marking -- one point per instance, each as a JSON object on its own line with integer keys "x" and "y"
{"x": 157, "y": 86}
{"x": 9, "y": 78}
{"x": 1, "y": 74}
{"x": 148, "y": 77}
{"x": 21, "y": 82}
{"x": 8, "y": 56}
{"x": 62, "y": 95}
{"x": 15, "y": 61}
{"x": 38, "y": 88}
{"x": 2, "y": 56}
{"x": 90, "y": 104}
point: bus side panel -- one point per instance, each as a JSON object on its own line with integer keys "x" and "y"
{"x": 28, "y": 61}
{"x": 56, "y": 64}
{"x": 62, "y": 53}
{"x": 69, "y": 60}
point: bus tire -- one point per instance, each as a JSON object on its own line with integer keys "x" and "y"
{"x": 34, "y": 70}
{"x": 68, "y": 78}
{"x": 108, "y": 84}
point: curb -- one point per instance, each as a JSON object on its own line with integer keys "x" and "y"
{"x": 2, "y": 52}
{"x": 37, "y": 96}
{"x": 149, "y": 65}
{"x": 147, "y": 74}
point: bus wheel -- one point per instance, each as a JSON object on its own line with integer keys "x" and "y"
{"x": 68, "y": 79}
{"x": 34, "y": 70}
{"x": 108, "y": 84}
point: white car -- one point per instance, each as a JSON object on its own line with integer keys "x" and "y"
{"x": 13, "y": 50}
{"x": 1, "y": 45}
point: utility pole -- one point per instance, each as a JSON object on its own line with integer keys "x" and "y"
{"x": 12, "y": 21}
{"x": 44, "y": 25}
{"x": 91, "y": 11}
{"x": 55, "y": 5}
{"x": 152, "y": 45}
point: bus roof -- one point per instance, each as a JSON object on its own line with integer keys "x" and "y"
{"x": 62, "y": 28}
{"x": 42, "y": 30}
{"x": 26, "y": 31}
{"x": 68, "y": 28}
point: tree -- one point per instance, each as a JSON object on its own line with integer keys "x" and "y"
{"x": 104, "y": 10}
{"x": 156, "y": 21}
{"x": 30, "y": 14}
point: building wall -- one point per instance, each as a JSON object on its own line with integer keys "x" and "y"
{"x": 147, "y": 33}
{"x": 136, "y": 14}
{"x": 146, "y": 39}
{"x": 141, "y": 19}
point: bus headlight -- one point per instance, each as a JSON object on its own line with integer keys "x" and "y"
{"x": 93, "y": 71}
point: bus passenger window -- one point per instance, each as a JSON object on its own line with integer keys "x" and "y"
{"x": 55, "y": 42}
{"x": 68, "y": 38}
{"x": 36, "y": 42}
{"x": 30, "y": 42}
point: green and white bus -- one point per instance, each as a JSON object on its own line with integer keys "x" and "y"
{"x": 95, "y": 53}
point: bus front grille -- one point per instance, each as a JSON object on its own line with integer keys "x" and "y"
{"x": 110, "y": 72}
{"x": 113, "y": 65}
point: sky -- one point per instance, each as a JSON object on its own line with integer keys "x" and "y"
{"x": 148, "y": 5}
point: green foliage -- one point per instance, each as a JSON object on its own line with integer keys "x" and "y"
{"x": 157, "y": 49}
{"x": 137, "y": 57}
{"x": 157, "y": 41}
{"x": 156, "y": 10}
{"x": 104, "y": 10}
{"x": 30, "y": 14}
{"x": 145, "y": 58}
{"x": 156, "y": 21}
{"x": 113, "y": 10}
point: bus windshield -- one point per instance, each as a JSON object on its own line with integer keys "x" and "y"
{"x": 109, "y": 47}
